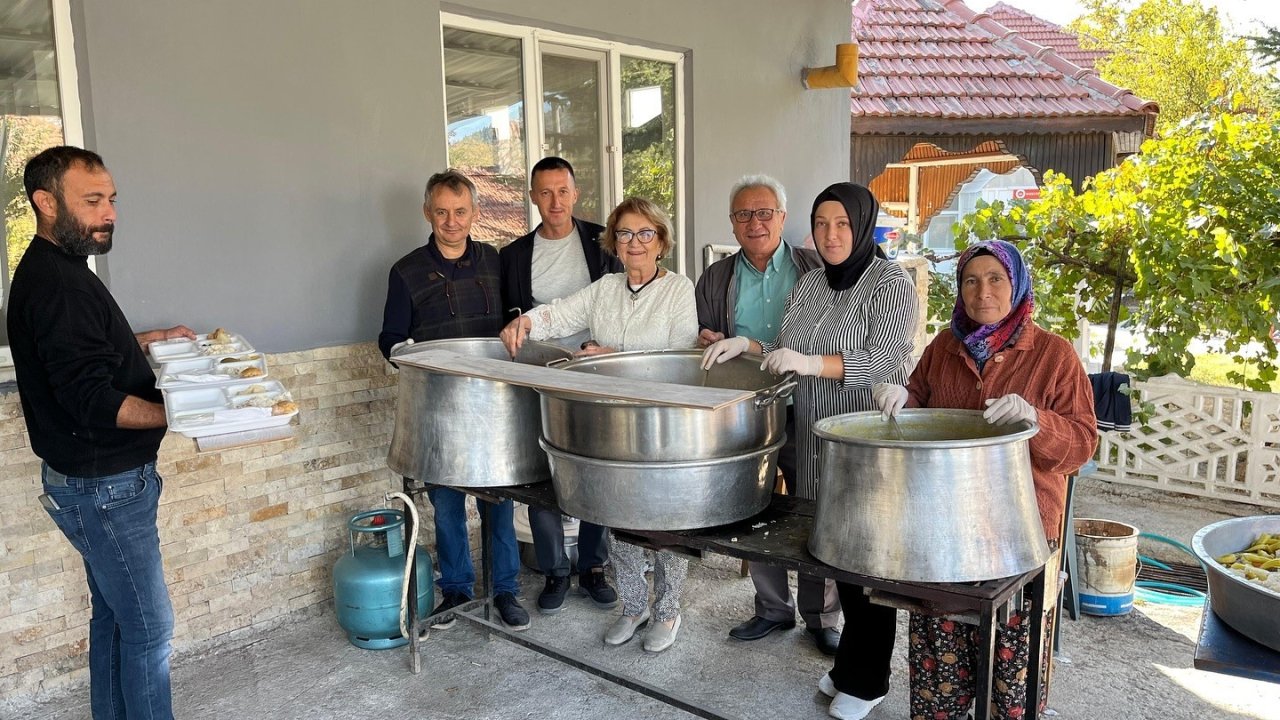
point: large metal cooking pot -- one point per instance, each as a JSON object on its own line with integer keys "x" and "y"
{"x": 664, "y": 495}
{"x": 951, "y": 502}
{"x": 469, "y": 432}
{"x": 1243, "y": 604}
{"x": 609, "y": 429}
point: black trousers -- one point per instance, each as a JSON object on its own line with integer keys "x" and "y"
{"x": 866, "y": 645}
{"x": 548, "y": 543}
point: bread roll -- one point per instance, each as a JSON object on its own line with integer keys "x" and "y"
{"x": 284, "y": 407}
{"x": 251, "y": 372}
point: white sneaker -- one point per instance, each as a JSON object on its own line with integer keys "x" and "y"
{"x": 826, "y": 686}
{"x": 848, "y": 707}
{"x": 624, "y": 628}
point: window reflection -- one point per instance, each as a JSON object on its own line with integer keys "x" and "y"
{"x": 30, "y": 117}
{"x": 484, "y": 98}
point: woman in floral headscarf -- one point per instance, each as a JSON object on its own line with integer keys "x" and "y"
{"x": 995, "y": 358}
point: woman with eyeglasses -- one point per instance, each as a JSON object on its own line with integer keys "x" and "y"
{"x": 846, "y": 326}
{"x": 645, "y": 307}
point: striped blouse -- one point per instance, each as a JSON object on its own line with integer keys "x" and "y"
{"x": 871, "y": 325}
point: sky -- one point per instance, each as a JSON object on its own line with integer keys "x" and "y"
{"x": 1246, "y": 16}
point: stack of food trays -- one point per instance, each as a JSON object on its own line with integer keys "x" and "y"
{"x": 218, "y": 384}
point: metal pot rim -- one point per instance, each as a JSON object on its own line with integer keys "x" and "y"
{"x": 445, "y": 342}
{"x": 1210, "y": 563}
{"x": 676, "y": 465}
{"x": 763, "y": 392}
{"x": 822, "y": 429}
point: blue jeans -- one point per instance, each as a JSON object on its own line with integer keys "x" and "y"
{"x": 111, "y": 522}
{"x": 457, "y": 574}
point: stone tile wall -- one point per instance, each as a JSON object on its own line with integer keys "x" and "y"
{"x": 249, "y": 535}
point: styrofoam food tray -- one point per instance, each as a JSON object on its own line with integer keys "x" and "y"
{"x": 169, "y": 376}
{"x": 193, "y": 412}
{"x": 163, "y": 351}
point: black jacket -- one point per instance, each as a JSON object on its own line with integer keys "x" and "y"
{"x": 76, "y": 359}
{"x": 516, "y": 260}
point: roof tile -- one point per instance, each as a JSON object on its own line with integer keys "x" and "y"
{"x": 1043, "y": 32}
{"x": 939, "y": 58}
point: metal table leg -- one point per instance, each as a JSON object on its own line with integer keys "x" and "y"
{"x": 986, "y": 660}
{"x": 486, "y": 559}
{"x": 413, "y": 624}
{"x": 1037, "y": 642}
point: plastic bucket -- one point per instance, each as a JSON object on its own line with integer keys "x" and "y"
{"x": 1107, "y": 563}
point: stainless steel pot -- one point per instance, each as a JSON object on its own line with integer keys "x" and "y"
{"x": 664, "y": 495}
{"x": 468, "y": 432}
{"x": 952, "y": 502}
{"x": 610, "y": 429}
{"x": 1244, "y": 605}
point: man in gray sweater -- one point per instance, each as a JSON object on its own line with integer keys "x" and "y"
{"x": 743, "y": 295}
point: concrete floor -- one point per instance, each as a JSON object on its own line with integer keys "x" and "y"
{"x": 1133, "y": 667}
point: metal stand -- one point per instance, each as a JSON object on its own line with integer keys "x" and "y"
{"x": 788, "y": 521}
{"x": 413, "y": 489}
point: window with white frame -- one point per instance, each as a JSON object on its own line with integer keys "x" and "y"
{"x": 38, "y": 109}
{"x": 516, "y": 94}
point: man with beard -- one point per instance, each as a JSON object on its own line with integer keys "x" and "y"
{"x": 95, "y": 418}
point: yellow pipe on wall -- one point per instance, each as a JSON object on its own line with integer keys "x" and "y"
{"x": 844, "y": 74}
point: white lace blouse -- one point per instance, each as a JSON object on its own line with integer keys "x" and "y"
{"x": 659, "y": 317}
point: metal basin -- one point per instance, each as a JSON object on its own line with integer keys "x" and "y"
{"x": 663, "y": 495}
{"x": 469, "y": 432}
{"x": 952, "y": 502}
{"x": 635, "y": 432}
{"x": 1244, "y": 605}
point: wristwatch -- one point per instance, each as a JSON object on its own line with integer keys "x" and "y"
{"x": 588, "y": 344}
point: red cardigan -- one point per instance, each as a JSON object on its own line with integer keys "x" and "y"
{"x": 1044, "y": 370}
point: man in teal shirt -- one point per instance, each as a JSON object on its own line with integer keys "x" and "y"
{"x": 743, "y": 295}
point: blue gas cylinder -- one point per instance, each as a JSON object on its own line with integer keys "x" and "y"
{"x": 368, "y": 580}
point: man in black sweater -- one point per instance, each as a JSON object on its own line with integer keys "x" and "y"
{"x": 95, "y": 418}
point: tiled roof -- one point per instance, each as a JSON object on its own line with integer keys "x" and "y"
{"x": 942, "y": 60}
{"x": 503, "y": 213}
{"x": 1043, "y": 32}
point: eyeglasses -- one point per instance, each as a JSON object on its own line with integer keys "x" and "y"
{"x": 450, "y": 293}
{"x": 763, "y": 214}
{"x": 645, "y": 236}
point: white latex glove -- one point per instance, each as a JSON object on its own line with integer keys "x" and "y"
{"x": 785, "y": 360}
{"x": 399, "y": 345}
{"x": 889, "y": 398}
{"x": 724, "y": 351}
{"x": 1008, "y": 410}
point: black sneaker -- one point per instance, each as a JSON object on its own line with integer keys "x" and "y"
{"x": 450, "y": 601}
{"x": 592, "y": 583}
{"x": 513, "y": 616}
{"x": 552, "y": 598}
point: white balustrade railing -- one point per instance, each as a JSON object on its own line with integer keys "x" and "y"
{"x": 1201, "y": 440}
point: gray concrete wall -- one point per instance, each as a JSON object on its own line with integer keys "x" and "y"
{"x": 270, "y": 156}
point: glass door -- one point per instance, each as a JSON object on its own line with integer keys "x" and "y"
{"x": 573, "y": 121}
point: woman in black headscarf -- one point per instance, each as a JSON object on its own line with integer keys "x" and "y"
{"x": 846, "y": 327}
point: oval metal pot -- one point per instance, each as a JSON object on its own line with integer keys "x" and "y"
{"x": 951, "y": 502}
{"x": 469, "y": 432}
{"x": 663, "y": 495}
{"x": 1244, "y": 605}
{"x": 636, "y": 432}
